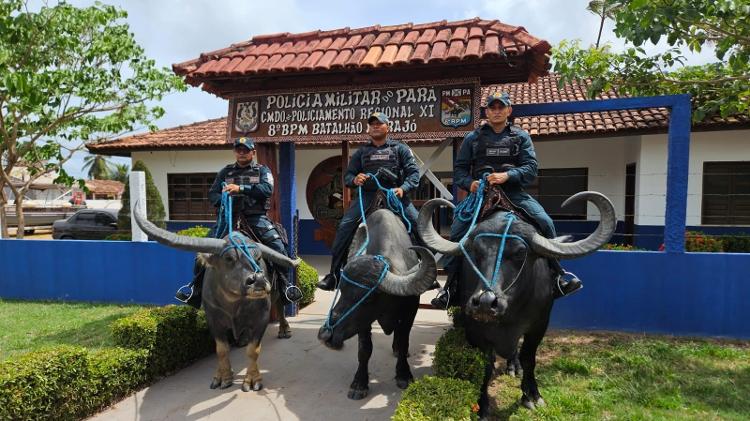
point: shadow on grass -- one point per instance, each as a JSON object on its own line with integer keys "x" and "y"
{"x": 93, "y": 334}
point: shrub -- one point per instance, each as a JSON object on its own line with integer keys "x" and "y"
{"x": 154, "y": 206}
{"x": 437, "y": 398}
{"x": 44, "y": 384}
{"x": 697, "y": 241}
{"x": 174, "y": 336}
{"x": 120, "y": 236}
{"x": 736, "y": 243}
{"x": 455, "y": 358}
{"x": 307, "y": 279}
{"x": 196, "y": 231}
{"x": 114, "y": 373}
{"x": 622, "y": 247}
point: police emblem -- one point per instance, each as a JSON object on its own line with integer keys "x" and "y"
{"x": 455, "y": 107}
{"x": 246, "y": 117}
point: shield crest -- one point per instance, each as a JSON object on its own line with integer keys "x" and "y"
{"x": 455, "y": 107}
{"x": 246, "y": 117}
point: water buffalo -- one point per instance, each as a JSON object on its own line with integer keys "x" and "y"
{"x": 236, "y": 298}
{"x": 519, "y": 304}
{"x": 388, "y": 291}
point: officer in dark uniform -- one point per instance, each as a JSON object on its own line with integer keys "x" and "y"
{"x": 507, "y": 154}
{"x": 395, "y": 167}
{"x": 251, "y": 186}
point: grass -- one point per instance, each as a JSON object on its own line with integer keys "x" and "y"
{"x": 27, "y": 326}
{"x": 616, "y": 376}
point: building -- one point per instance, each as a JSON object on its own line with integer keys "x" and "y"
{"x": 268, "y": 79}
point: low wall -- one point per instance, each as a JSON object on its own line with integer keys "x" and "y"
{"x": 702, "y": 294}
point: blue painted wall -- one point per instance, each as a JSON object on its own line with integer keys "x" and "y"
{"x": 675, "y": 293}
{"x": 100, "y": 271}
{"x": 701, "y": 294}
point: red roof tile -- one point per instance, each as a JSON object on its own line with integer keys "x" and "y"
{"x": 471, "y": 39}
{"x": 211, "y": 134}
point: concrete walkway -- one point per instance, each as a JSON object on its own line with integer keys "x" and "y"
{"x": 303, "y": 380}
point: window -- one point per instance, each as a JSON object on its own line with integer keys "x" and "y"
{"x": 86, "y": 218}
{"x": 103, "y": 220}
{"x": 188, "y": 197}
{"x": 726, "y": 193}
{"x": 553, "y": 186}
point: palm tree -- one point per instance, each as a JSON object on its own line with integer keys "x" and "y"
{"x": 120, "y": 172}
{"x": 98, "y": 167}
{"x": 605, "y": 9}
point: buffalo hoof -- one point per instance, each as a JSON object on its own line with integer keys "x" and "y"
{"x": 286, "y": 334}
{"x": 357, "y": 394}
{"x": 256, "y": 386}
{"x": 532, "y": 404}
{"x": 218, "y": 383}
{"x": 403, "y": 383}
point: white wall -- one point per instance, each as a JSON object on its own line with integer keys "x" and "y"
{"x": 176, "y": 162}
{"x": 605, "y": 159}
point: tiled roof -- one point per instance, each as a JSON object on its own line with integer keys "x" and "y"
{"x": 112, "y": 187}
{"x": 211, "y": 134}
{"x": 370, "y": 47}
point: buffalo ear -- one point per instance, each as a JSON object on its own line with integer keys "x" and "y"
{"x": 208, "y": 259}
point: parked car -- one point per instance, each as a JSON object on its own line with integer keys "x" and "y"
{"x": 86, "y": 224}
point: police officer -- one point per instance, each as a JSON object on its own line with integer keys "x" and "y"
{"x": 251, "y": 186}
{"x": 507, "y": 154}
{"x": 394, "y": 165}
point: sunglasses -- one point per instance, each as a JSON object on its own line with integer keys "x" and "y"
{"x": 243, "y": 150}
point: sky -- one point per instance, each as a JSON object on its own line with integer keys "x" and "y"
{"x": 173, "y": 31}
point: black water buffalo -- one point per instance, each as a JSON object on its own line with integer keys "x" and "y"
{"x": 236, "y": 298}
{"x": 404, "y": 273}
{"x": 519, "y": 304}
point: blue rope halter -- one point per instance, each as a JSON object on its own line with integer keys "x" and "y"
{"x": 395, "y": 205}
{"x": 236, "y": 240}
{"x": 471, "y": 207}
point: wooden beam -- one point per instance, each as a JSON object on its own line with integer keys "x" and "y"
{"x": 346, "y": 192}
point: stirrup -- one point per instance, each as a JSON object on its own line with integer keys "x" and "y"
{"x": 179, "y": 292}
{"x": 447, "y": 302}
{"x": 572, "y": 276}
{"x": 286, "y": 293}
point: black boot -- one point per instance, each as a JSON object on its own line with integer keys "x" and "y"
{"x": 328, "y": 283}
{"x": 566, "y": 283}
{"x": 447, "y": 295}
{"x": 290, "y": 292}
{"x": 191, "y": 294}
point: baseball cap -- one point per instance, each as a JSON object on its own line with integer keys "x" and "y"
{"x": 503, "y": 97}
{"x": 377, "y": 115}
{"x": 244, "y": 141}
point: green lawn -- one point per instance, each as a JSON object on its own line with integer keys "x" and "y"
{"x": 26, "y": 326}
{"x": 632, "y": 377}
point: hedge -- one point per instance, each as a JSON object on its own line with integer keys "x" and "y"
{"x": 174, "y": 336}
{"x": 438, "y": 398}
{"x": 455, "y": 358}
{"x": 69, "y": 382}
{"x": 307, "y": 279}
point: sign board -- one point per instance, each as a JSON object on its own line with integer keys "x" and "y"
{"x": 427, "y": 110}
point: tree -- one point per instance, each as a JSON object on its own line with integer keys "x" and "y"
{"x": 97, "y": 166}
{"x": 120, "y": 173}
{"x": 69, "y": 76}
{"x": 605, "y": 10}
{"x": 154, "y": 206}
{"x": 721, "y": 87}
